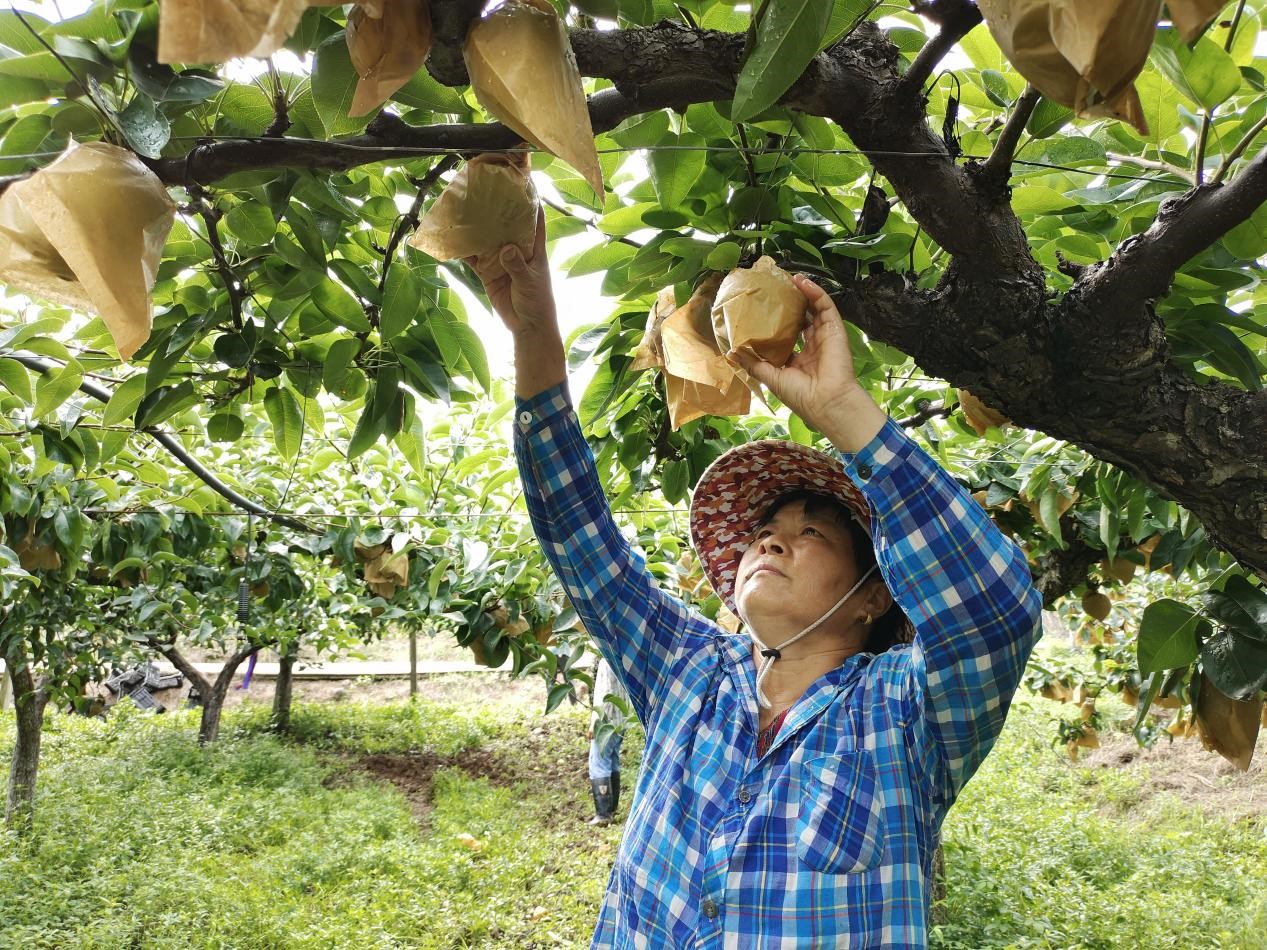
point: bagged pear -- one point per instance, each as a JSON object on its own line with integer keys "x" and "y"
{"x": 1191, "y": 17}
{"x": 488, "y": 204}
{"x": 388, "y": 43}
{"x": 698, "y": 379}
{"x": 88, "y": 231}
{"x": 524, "y": 73}
{"x": 213, "y": 31}
{"x": 759, "y": 311}
{"x": 978, "y": 415}
{"x": 1084, "y": 54}
{"x": 650, "y": 352}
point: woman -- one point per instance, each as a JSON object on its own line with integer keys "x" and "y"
{"x": 795, "y": 779}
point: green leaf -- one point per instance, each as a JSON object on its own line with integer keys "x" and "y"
{"x": 676, "y": 164}
{"x": 1206, "y": 74}
{"x": 124, "y": 400}
{"x": 334, "y": 82}
{"x": 287, "y": 419}
{"x": 799, "y": 431}
{"x": 1237, "y": 665}
{"x": 1168, "y": 636}
{"x": 1248, "y": 240}
{"x": 252, "y": 222}
{"x": 1048, "y": 118}
{"x": 15, "y": 35}
{"x": 402, "y": 301}
{"x": 15, "y": 378}
{"x": 1240, "y": 606}
{"x": 146, "y": 130}
{"x": 165, "y": 402}
{"x": 788, "y": 34}
{"x": 338, "y": 362}
{"x": 724, "y": 257}
{"x": 1049, "y": 513}
{"x": 53, "y": 389}
{"x": 412, "y": 442}
{"x": 673, "y": 480}
{"x": 472, "y": 350}
{"x": 437, "y": 576}
{"x": 340, "y": 306}
{"x": 423, "y": 92}
{"x": 225, "y": 427}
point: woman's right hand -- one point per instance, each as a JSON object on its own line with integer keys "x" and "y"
{"x": 520, "y": 292}
{"x": 519, "y": 289}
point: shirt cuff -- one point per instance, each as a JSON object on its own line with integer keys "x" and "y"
{"x": 872, "y": 464}
{"x": 536, "y": 411}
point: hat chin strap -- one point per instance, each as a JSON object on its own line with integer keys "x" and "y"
{"x": 772, "y": 654}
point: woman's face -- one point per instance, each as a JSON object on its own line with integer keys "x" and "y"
{"x": 798, "y": 565}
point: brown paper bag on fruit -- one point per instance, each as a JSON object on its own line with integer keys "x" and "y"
{"x": 650, "y": 352}
{"x": 697, "y": 378}
{"x": 759, "y": 311}
{"x": 213, "y": 31}
{"x": 386, "y": 573}
{"x": 524, "y": 73}
{"x": 1191, "y": 17}
{"x": 1081, "y": 53}
{"x": 88, "y": 231}
{"x": 388, "y": 43}
{"x": 490, "y": 203}
{"x": 1228, "y": 726}
{"x": 978, "y": 415}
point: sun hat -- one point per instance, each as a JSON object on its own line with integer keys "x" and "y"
{"x": 736, "y": 491}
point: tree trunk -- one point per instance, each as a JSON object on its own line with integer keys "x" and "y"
{"x": 283, "y": 691}
{"x": 29, "y": 701}
{"x": 938, "y": 915}
{"x": 213, "y": 694}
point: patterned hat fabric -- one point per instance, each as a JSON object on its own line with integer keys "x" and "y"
{"x": 739, "y": 487}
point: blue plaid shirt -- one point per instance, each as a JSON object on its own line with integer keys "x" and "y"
{"x": 827, "y": 839}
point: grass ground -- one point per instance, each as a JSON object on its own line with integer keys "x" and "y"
{"x": 458, "y": 822}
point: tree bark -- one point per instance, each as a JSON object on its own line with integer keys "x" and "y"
{"x": 283, "y": 691}
{"x": 213, "y": 693}
{"x": 30, "y": 699}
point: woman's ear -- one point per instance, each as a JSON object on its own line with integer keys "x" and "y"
{"x": 876, "y": 599}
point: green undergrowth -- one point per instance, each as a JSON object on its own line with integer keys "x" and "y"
{"x": 144, "y": 840}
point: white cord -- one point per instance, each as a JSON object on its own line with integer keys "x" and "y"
{"x": 771, "y": 654}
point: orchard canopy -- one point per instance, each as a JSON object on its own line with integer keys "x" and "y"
{"x": 1093, "y": 283}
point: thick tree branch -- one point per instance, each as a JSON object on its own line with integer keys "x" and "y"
{"x": 956, "y": 18}
{"x": 1141, "y": 269}
{"x": 186, "y": 666}
{"x": 450, "y": 21}
{"x": 172, "y": 444}
{"x": 998, "y": 166}
{"x": 1059, "y": 572}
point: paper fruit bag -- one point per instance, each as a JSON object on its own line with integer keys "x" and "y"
{"x": 759, "y": 311}
{"x": 524, "y": 73}
{"x": 488, "y": 204}
{"x": 388, "y": 43}
{"x": 1191, "y": 17}
{"x": 213, "y": 31}
{"x": 697, "y": 378}
{"x": 88, "y": 231}
{"x": 650, "y": 352}
{"x": 1084, "y": 54}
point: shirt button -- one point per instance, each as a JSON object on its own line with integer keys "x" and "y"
{"x": 745, "y": 796}
{"x": 864, "y": 471}
{"x": 525, "y": 418}
{"x": 711, "y": 910}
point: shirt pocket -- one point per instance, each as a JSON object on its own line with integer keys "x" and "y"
{"x": 839, "y": 828}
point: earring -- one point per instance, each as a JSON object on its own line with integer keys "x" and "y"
{"x": 867, "y": 621}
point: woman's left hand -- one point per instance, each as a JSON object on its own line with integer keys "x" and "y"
{"x": 818, "y": 383}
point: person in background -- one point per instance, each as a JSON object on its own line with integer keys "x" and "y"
{"x": 604, "y": 758}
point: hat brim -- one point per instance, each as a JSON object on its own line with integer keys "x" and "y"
{"x": 737, "y": 490}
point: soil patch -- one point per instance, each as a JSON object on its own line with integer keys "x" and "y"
{"x": 413, "y": 773}
{"x": 1185, "y": 770}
